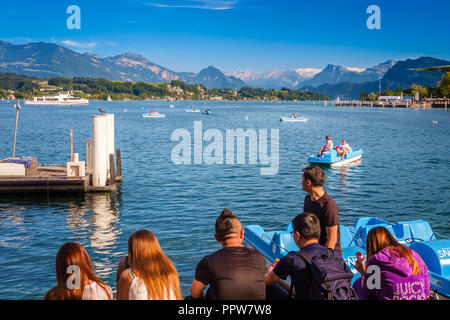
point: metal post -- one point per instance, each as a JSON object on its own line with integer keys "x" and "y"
{"x": 71, "y": 144}
{"x": 17, "y": 107}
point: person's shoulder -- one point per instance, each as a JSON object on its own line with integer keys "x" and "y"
{"x": 50, "y": 295}
{"x": 243, "y": 250}
{"x": 125, "y": 276}
{"x": 328, "y": 199}
{"x": 314, "y": 249}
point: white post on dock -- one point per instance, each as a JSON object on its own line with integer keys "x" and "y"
{"x": 99, "y": 151}
{"x": 109, "y": 139}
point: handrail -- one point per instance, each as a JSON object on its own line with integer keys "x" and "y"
{"x": 278, "y": 245}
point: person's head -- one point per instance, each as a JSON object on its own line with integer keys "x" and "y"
{"x": 228, "y": 227}
{"x": 380, "y": 238}
{"x": 344, "y": 141}
{"x": 72, "y": 261}
{"x": 147, "y": 259}
{"x": 306, "y": 229}
{"x": 327, "y": 138}
{"x": 313, "y": 177}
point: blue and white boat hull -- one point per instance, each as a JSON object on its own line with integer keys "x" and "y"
{"x": 292, "y": 119}
{"x": 148, "y": 115}
{"x": 331, "y": 158}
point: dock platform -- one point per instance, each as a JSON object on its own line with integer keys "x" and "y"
{"x": 51, "y": 179}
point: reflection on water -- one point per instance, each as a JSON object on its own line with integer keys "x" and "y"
{"x": 98, "y": 216}
{"x": 33, "y": 229}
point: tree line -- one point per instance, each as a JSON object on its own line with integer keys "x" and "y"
{"x": 442, "y": 90}
{"x": 23, "y": 87}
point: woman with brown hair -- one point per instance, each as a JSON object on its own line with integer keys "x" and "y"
{"x": 401, "y": 272}
{"x": 75, "y": 276}
{"x": 150, "y": 274}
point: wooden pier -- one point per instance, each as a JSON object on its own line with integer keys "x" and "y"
{"x": 99, "y": 173}
{"x": 54, "y": 179}
{"x": 430, "y": 103}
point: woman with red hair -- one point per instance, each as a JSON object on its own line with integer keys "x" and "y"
{"x": 75, "y": 276}
{"x": 146, "y": 273}
{"x": 401, "y": 272}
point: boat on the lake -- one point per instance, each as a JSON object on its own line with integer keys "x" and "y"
{"x": 59, "y": 100}
{"x": 192, "y": 110}
{"x": 207, "y": 112}
{"x": 331, "y": 158}
{"x": 294, "y": 118}
{"x": 171, "y": 106}
{"x": 433, "y": 248}
{"x": 154, "y": 114}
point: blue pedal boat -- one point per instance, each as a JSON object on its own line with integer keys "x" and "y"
{"x": 154, "y": 115}
{"x": 416, "y": 234}
{"x": 291, "y": 118}
{"x": 331, "y": 158}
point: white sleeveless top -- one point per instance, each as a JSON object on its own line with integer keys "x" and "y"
{"x": 138, "y": 290}
{"x": 96, "y": 292}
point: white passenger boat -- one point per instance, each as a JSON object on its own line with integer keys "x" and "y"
{"x": 59, "y": 100}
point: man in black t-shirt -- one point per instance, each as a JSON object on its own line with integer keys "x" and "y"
{"x": 233, "y": 272}
{"x": 306, "y": 236}
{"x": 321, "y": 204}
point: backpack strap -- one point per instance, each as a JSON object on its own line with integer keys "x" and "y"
{"x": 307, "y": 259}
{"x": 330, "y": 253}
{"x": 305, "y": 256}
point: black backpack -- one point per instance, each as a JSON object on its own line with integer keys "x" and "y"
{"x": 331, "y": 277}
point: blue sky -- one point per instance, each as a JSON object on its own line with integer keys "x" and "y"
{"x": 188, "y": 35}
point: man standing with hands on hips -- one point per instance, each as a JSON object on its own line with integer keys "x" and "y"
{"x": 322, "y": 205}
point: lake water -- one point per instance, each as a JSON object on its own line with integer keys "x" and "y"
{"x": 403, "y": 175}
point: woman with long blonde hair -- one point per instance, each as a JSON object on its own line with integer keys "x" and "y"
{"x": 150, "y": 274}
{"x": 75, "y": 276}
{"x": 403, "y": 274}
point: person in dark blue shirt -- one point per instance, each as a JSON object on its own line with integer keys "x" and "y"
{"x": 306, "y": 236}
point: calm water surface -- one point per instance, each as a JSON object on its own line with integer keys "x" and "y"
{"x": 404, "y": 175}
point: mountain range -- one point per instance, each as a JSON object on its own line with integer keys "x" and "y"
{"x": 41, "y": 59}
{"x": 399, "y": 75}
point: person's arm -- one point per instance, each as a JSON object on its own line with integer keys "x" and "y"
{"x": 270, "y": 277}
{"x": 121, "y": 267}
{"x": 332, "y": 236}
{"x": 197, "y": 288}
{"x": 124, "y": 285}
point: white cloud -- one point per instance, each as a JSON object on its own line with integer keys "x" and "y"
{"x": 196, "y": 4}
{"x": 83, "y": 45}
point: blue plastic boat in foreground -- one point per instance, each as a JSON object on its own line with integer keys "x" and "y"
{"x": 331, "y": 158}
{"x": 416, "y": 234}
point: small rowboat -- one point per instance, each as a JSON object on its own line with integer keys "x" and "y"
{"x": 192, "y": 110}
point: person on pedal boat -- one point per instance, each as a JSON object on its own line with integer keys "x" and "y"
{"x": 327, "y": 147}
{"x": 343, "y": 149}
